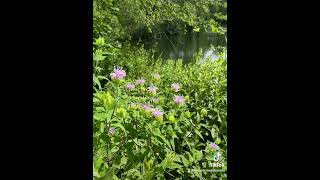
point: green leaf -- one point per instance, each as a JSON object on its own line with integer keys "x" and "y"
{"x": 95, "y": 172}
{"x": 173, "y": 165}
{"x": 98, "y": 56}
{"x": 99, "y": 69}
{"x": 177, "y": 127}
{"x": 95, "y": 100}
{"x": 96, "y": 81}
{"x": 115, "y": 8}
{"x": 100, "y": 108}
{"x": 172, "y": 143}
{"x": 109, "y": 114}
{"x": 102, "y": 127}
{"x": 121, "y": 127}
{"x": 185, "y": 161}
{"x": 214, "y": 29}
{"x": 199, "y": 134}
{"x": 197, "y": 173}
{"x": 102, "y": 77}
{"x": 136, "y": 114}
{"x": 219, "y": 119}
{"x": 198, "y": 155}
{"x": 100, "y": 116}
{"x": 188, "y": 144}
{"x": 196, "y": 29}
{"x": 205, "y": 126}
{"x": 161, "y": 138}
{"x": 149, "y": 175}
{"x": 213, "y": 133}
{"x": 164, "y": 163}
{"x": 97, "y": 164}
{"x": 109, "y": 175}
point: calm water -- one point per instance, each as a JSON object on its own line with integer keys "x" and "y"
{"x": 184, "y": 46}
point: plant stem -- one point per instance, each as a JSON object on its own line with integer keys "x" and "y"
{"x": 109, "y": 124}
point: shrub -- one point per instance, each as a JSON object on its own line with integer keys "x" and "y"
{"x": 164, "y": 127}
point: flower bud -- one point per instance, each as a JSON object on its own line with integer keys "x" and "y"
{"x": 203, "y": 112}
{"x": 218, "y": 141}
{"x": 171, "y": 132}
{"x": 187, "y": 98}
{"x": 159, "y": 118}
{"x": 121, "y": 112}
{"x": 133, "y": 106}
{"x": 108, "y": 99}
{"x": 172, "y": 118}
{"x": 112, "y": 131}
{"x": 161, "y": 100}
{"x": 188, "y": 114}
{"x": 100, "y": 41}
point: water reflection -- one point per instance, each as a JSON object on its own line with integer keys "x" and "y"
{"x": 184, "y": 46}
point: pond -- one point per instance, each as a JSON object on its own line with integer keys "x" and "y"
{"x": 185, "y": 45}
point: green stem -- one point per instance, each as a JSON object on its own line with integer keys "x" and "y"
{"x": 109, "y": 123}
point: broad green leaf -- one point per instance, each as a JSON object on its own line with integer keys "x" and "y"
{"x": 100, "y": 116}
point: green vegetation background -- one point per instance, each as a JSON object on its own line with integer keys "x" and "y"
{"x": 142, "y": 146}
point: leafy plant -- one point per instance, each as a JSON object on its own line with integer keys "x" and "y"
{"x": 153, "y": 129}
{"x": 157, "y": 118}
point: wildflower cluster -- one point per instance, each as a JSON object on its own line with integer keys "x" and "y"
{"x": 118, "y": 73}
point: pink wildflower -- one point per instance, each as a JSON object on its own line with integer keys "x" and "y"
{"x": 175, "y": 87}
{"x": 118, "y": 73}
{"x": 179, "y": 99}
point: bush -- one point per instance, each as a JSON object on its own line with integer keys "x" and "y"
{"x": 160, "y": 119}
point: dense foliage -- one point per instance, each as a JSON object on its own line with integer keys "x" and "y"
{"x": 157, "y": 118}
{"x": 126, "y": 18}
